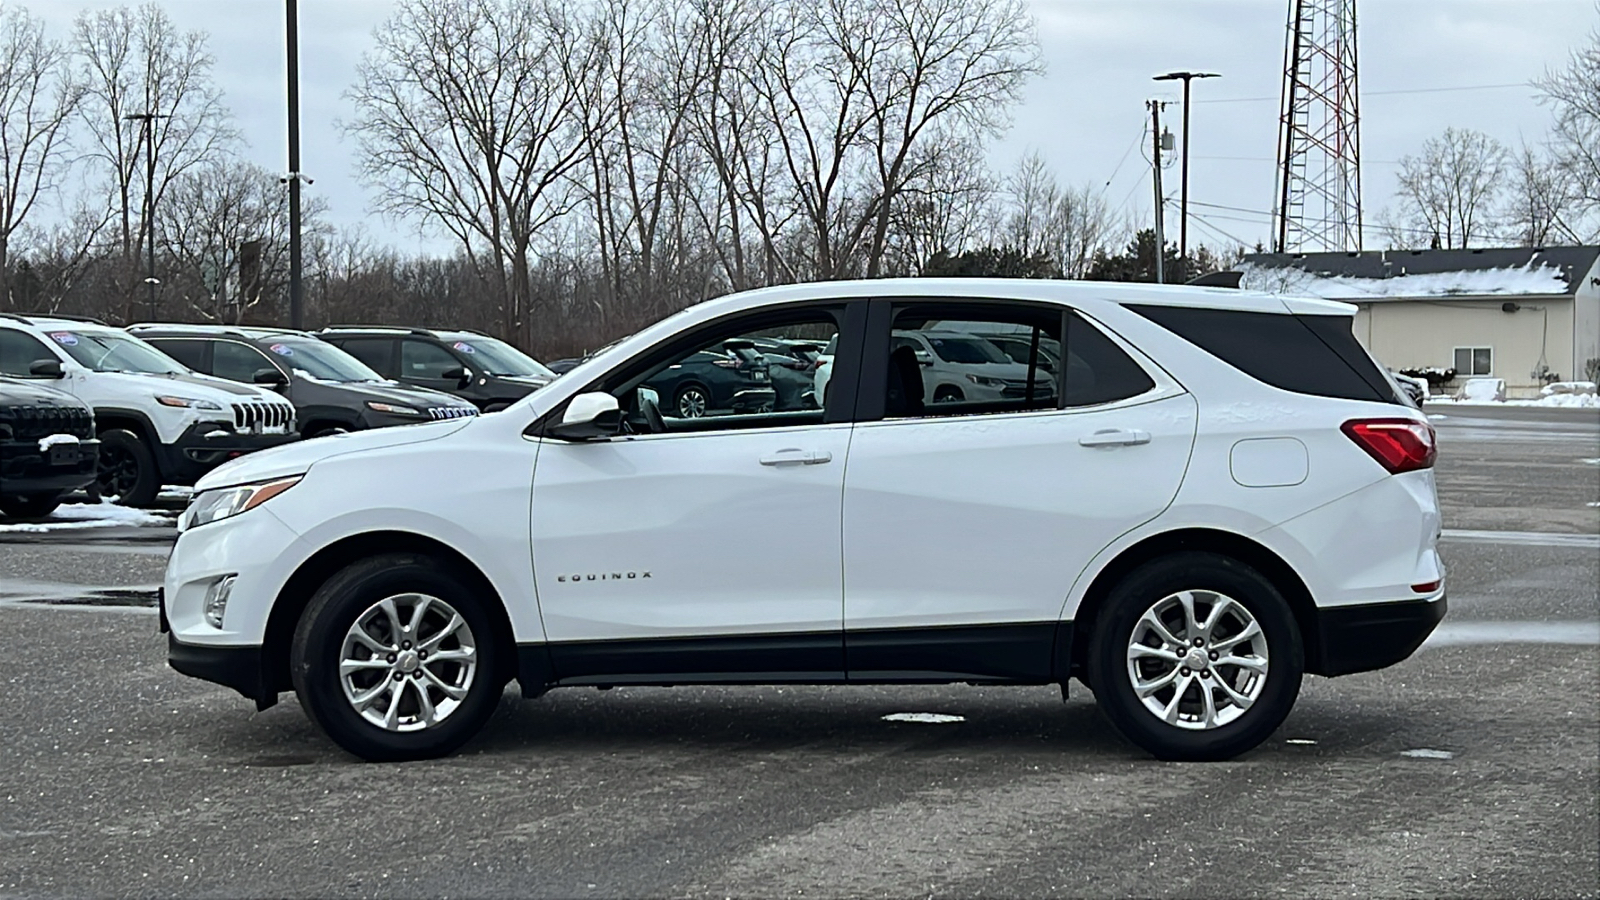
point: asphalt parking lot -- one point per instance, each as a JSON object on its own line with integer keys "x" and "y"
{"x": 1472, "y": 769}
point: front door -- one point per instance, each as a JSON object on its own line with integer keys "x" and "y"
{"x": 967, "y": 520}
{"x": 703, "y": 548}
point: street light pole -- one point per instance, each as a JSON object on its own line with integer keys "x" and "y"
{"x": 296, "y": 310}
{"x": 1183, "y": 202}
{"x": 147, "y": 121}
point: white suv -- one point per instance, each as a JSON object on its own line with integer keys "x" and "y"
{"x": 1220, "y": 493}
{"x": 158, "y": 423}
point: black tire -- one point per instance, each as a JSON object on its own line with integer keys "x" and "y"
{"x": 127, "y": 469}
{"x": 32, "y": 506}
{"x": 1108, "y": 663}
{"x": 315, "y": 652}
{"x": 683, "y": 403}
{"x": 948, "y": 394}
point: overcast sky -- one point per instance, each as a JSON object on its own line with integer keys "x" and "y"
{"x": 1083, "y": 115}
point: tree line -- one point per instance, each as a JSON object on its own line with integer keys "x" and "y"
{"x": 594, "y": 164}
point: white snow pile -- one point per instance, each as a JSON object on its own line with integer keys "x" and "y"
{"x": 70, "y": 516}
{"x": 1484, "y": 389}
{"x": 1534, "y": 278}
{"x": 1565, "y": 401}
{"x": 1567, "y": 387}
{"x": 1492, "y": 392}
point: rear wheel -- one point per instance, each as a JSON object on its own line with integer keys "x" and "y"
{"x": 32, "y": 506}
{"x": 1196, "y": 656}
{"x": 693, "y": 401}
{"x": 396, "y": 658}
{"x": 127, "y": 469}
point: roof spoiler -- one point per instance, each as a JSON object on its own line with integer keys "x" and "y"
{"x": 1225, "y": 279}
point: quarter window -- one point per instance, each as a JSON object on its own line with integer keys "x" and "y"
{"x": 1474, "y": 360}
{"x": 18, "y": 353}
{"x": 1098, "y": 371}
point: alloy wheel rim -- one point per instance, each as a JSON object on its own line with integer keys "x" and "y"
{"x": 407, "y": 662}
{"x": 692, "y": 404}
{"x": 118, "y": 472}
{"x": 1197, "y": 660}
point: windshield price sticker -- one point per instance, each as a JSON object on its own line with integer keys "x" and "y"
{"x": 64, "y": 338}
{"x": 464, "y": 347}
{"x": 282, "y": 349}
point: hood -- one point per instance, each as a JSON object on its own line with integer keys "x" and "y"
{"x": 15, "y": 391}
{"x": 296, "y": 458}
{"x": 394, "y": 392}
{"x": 193, "y": 385}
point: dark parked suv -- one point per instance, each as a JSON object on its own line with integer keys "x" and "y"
{"x": 47, "y": 447}
{"x": 331, "y": 390}
{"x": 736, "y": 379}
{"x": 489, "y": 372}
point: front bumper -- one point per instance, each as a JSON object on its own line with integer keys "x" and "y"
{"x": 205, "y": 445}
{"x": 235, "y": 667}
{"x": 25, "y": 470}
{"x": 1373, "y": 635}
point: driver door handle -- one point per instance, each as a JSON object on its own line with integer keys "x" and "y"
{"x": 1115, "y": 437}
{"x": 794, "y": 456}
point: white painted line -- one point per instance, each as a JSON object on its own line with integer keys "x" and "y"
{"x": 924, "y": 718}
{"x": 1299, "y": 741}
{"x": 1424, "y": 753}
{"x": 1452, "y": 633}
{"x": 1535, "y": 538}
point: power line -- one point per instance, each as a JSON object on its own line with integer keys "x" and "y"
{"x": 1437, "y": 90}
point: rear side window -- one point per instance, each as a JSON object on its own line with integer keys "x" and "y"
{"x": 1097, "y": 369}
{"x": 189, "y": 352}
{"x": 375, "y": 352}
{"x": 1315, "y": 355}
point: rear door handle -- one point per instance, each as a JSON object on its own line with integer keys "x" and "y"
{"x": 1115, "y": 437}
{"x": 794, "y": 456}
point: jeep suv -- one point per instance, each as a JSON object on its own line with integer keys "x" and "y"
{"x": 47, "y": 447}
{"x": 158, "y": 423}
{"x": 489, "y": 372}
{"x": 1218, "y": 493}
{"x": 332, "y": 391}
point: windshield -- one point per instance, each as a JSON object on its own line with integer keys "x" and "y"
{"x": 966, "y": 350}
{"x": 500, "y": 358}
{"x": 108, "y": 351}
{"x": 320, "y": 359}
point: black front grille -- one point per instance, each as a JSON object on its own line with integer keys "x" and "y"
{"x": 452, "y": 412}
{"x": 31, "y": 422}
{"x": 257, "y": 415}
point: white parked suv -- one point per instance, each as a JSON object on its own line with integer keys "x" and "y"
{"x": 158, "y": 422}
{"x": 1221, "y": 493}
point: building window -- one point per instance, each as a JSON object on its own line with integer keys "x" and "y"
{"x": 1474, "y": 360}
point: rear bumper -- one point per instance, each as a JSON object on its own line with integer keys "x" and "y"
{"x": 1373, "y": 635}
{"x": 235, "y": 667}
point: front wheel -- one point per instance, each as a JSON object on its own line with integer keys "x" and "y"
{"x": 396, "y": 659}
{"x": 33, "y": 506}
{"x": 127, "y": 469}
{"x": 1196, "y": 656}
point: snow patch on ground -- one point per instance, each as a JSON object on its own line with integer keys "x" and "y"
{"x": 924, "y": 718}
{"x": 89, "y": 515}
{"x": 1533, "y": 278}
{"x": 1424, "y": 753}
{"x": 1564, "y": 401}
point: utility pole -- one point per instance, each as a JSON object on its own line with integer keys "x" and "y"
{"x": 147, "y": 122}
{"x": 1159, "y": 140}
{"x": 296, "y": 310}
{"x": 1183, "y": 202}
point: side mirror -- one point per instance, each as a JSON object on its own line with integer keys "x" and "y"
{"x": 925, "y": 358}
{"x": 270, "y": 376}
{"x": 461, "y": 374}
{"x": 588, "y": 417}
{"x": 46, "y": 368}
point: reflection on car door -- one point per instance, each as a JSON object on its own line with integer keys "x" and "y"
{"x": 963, "y": 534}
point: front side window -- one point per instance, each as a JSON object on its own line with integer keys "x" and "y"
{"x": 728, "y": 377}
{"x": 420, "y": 359}
{"x": 237, "y": 362}
{"x": 107, "y": 351}
{"x": 1474, "y": 360}
{"x": 948, "y": 360}
{"x": 18, "y": 353}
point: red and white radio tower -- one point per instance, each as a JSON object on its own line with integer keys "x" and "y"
{"x": 1318, "y": 194}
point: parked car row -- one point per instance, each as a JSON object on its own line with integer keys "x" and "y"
{"x": 120, "y": 413}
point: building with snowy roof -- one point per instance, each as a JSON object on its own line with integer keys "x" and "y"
{"x": 1528, "y": 315}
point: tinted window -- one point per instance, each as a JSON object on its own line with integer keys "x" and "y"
{"x": 189, "y": 352}
{"x": 237, "y": 362}
{"x": 18, "y": 352}
{"x": 419, "y": 359}
{"x": 1097, "y": 369}
{"x": 1315, "y": 355}
{"x": 375, "y": 352}
{"x": 945, "y": 360}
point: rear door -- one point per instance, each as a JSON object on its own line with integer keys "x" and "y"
{"x": 965, "y": 524}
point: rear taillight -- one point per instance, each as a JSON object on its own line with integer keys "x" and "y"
{"x": 1399, "y": 445}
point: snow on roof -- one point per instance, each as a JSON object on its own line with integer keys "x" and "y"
{"x": 1533, "y": 278}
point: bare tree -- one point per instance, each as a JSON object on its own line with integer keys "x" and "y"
{"x": 135, "y": 62}
{"x": 948, "y": 207}
{"x": 1573, "y": 93}
{"x": 37, "y": 98}
{"x": 1450, "y": 188}
{"x": 1539, "y": 197}
{"x": 471, "y": 117}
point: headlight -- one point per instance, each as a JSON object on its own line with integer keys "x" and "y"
{"x": 986, "y": 381}
{"x": 211, "y": 506}
{"x": 392, "y": 408}
{"x": 186, "y": 402}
